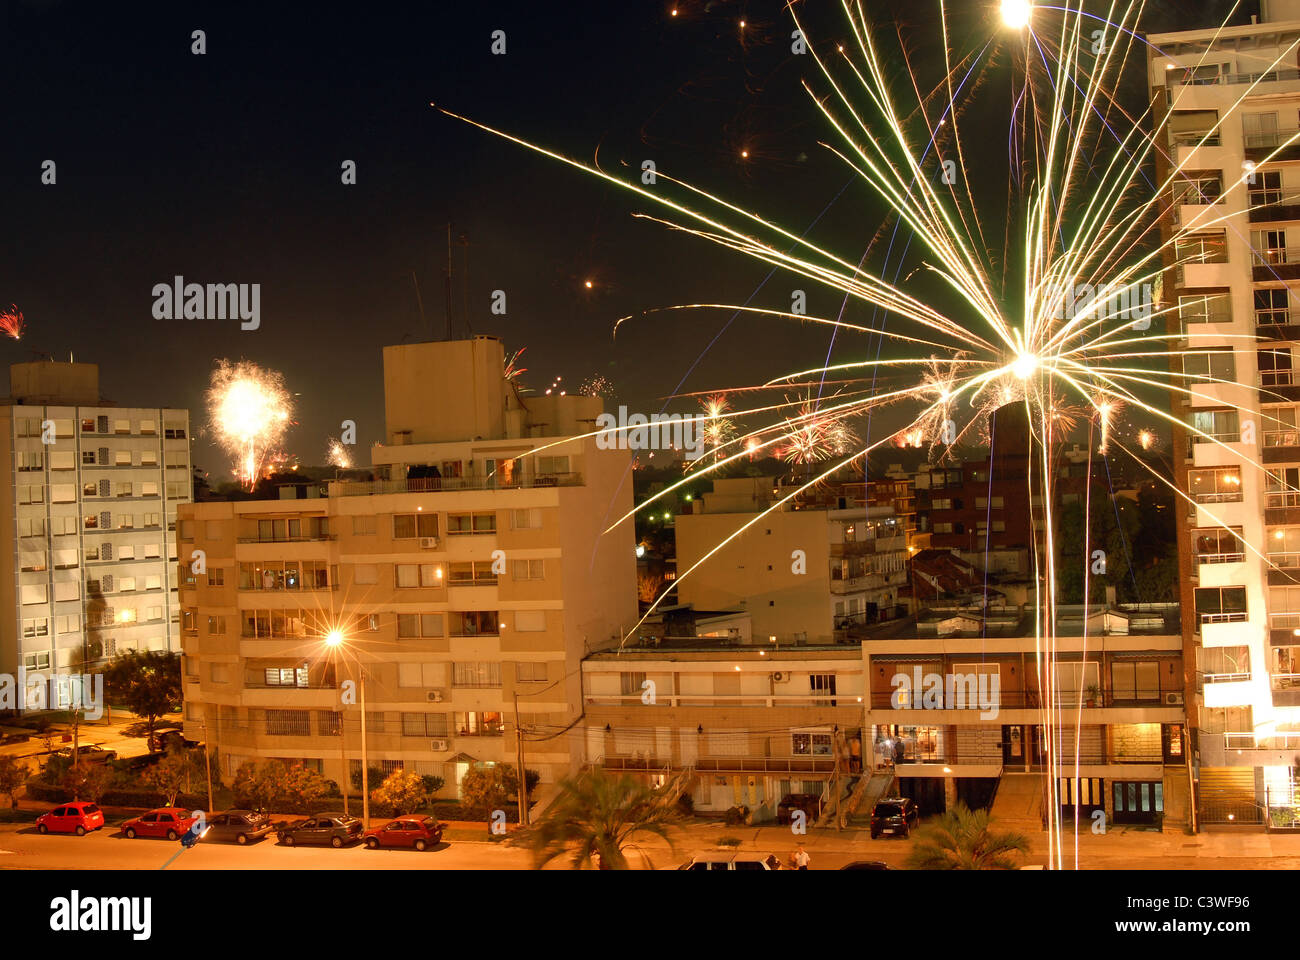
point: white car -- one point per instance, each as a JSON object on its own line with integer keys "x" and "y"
{"x": 735, "y": 861}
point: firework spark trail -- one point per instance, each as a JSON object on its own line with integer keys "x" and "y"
{"x": 249, "y": 411}
{"x": 1011, "y": 345}
{"x": 336, "y": 454}
{"x": 12, "y": 324}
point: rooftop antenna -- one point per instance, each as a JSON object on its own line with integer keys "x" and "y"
{"x": 418, "y": 299}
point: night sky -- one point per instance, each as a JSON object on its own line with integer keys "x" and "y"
{"x": 225, "y": 168}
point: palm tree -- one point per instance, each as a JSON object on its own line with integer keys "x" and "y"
{"x": 961, "y": 840}
{"x": 596, "y": 818}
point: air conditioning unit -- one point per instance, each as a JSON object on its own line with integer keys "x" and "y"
{"x": 1173, "y": 699}
{"x": 428, "y": 543}
{"x": 435, "y": 696}
{"x": 779, "y": 677}
{"x": 438, "y": 745}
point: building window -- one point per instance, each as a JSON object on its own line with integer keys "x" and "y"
{"x": 1214, "y": 364}
{"x": 286, "y": 676}
{"x": 478, "y": 673}
{"x": 415, "y": 575}
{"x": 1221, "y": 604}
{"x": 478, "y": 572}
{"x": 473, "y": 623}
{"x": 529, "y": 519}
{"x": 412, "y": 626}
{"x": 364, "y": 526}
{"x": 288, "y": 723}
{"x": 1217, "y": 545}
{"x": 810, "y": 744}
{"x": 1215, "y": 425}
{"x": 480, "y": 724}
{"x": 459, "y": 524}
{"x": 408, "y": 526}
{"x": 530, "y": 672}
{"x": 529, "y": 570}
{"x": 424, "y": 725}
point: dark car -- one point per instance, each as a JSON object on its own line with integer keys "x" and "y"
{"x": 79, "y": 818}
{"x": 88, "y": 753}
{"x": 866, "y": 865}
{"x": 336, "y": 829}
{"x": 809, "y": 803}
{"x": 895, "y": 817}
{"x": 419, "y": 833}
{"x": 160, "y": 741}
{"x": 237, "y": 826}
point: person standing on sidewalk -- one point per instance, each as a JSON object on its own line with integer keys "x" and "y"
{"x": 801, "y": 858}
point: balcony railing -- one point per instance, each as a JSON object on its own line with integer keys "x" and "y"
{"x": 1275, "y": 256}
{"x": 439, "y": 484}
{"x": 1273, "y": 318}
{"x": 1261, "y": 741}
{"x": 1285, "y": 559}
{"x": 1236, "y": 616}
{"x": 1202, "y": 139}
{"x": 1032, "y": 699}
{"x": 1235, "y": 556}
{"x": 1189, "y": 79}
{"x": 1282, "y": 438}
{"x": 1233, "y": 496}
{"x": 308, "y": 538}
{"x": 1268, "y": 139}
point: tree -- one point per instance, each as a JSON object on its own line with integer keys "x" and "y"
{"x": 400, "y": 794}
{"x": 961, "y": 839}
{"x": 12, "y": 777}
{"x": 277, "y": 785}
{"x": 494, "y": 787}
{"x": 86, "y": 781}
{"x": 146, "y": 682}
{"x": 598, "y": 815}
{"x": 170, "y": 775}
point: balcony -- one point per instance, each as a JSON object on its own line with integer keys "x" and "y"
{"x": 1276, "y": 263}
{"x": 443, "y": 484}
{"x": 1286, "y": 689}
{"x": 1269, "y": 145}
{"x": 310, "y": 538}
{"x": 1276, "y": 325}
{"x": 1189, "y": 79}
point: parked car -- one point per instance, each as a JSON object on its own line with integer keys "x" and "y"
{"x": 89, "y": 753}
{"x": 238, "y": 826}
{"x": 895, "y": 817}
{"x": 866, "y": 865}
{"x": 336, "y": 829}
{"x": 160, "y": 740}
{"x": 79, "y": 818}
{"x": 169, "y": 822}
{"x": 738, "y": 861}
{"x": 418, "y": 832}
{"x": 809, "y": 803}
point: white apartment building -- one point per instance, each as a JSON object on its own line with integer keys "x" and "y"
{"x": 1233, "y": 102}
{"x": 85, "y": 548}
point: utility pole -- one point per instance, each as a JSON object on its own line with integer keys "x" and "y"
{"x": 207, "y": 761}
{"x": 448, "y": 283}
{"x": 835, "y": 777}
{"x": 365, "y": 759}
{"x": 523, "y": 780}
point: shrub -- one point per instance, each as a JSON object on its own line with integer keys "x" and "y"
{"x": 400, "y": 794}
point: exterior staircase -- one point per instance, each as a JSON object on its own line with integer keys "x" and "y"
{"x": 869, "y": 790}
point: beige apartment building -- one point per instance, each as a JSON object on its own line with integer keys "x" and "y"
{"x": 754, "y": 723}
{"x": 472, "y": 574}
{"x": 1229, "y": 102}
{"x": 87, "y": 556}
{"x": 807, "y": 571}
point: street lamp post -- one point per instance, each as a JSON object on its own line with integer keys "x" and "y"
{"x": 334, "y": 640}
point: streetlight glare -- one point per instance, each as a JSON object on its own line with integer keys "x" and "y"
{"x": 334, "y": 638}
{"x": 1015, "y": 13}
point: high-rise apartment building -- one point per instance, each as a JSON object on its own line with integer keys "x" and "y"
{"x": 1229, "y": 104}
{"x": 469, "y": 578}
{"x": 86, "y": 553}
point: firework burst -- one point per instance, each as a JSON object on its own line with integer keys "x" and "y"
{"x": 336, "y": 454}
{"x": 1083, "y": 215}
{"x": 249, "y": 411}
{"x": 12, "y": 324}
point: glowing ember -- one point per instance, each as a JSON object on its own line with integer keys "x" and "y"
{"x": 336, "y": 454}
{"x": 249, "y": 411}
{"x": 12, "y": 323}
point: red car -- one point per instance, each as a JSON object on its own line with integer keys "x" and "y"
{"x": 418, "y": 832}
{"x": 79, "y": 818}
{"x": 169, "y": 822}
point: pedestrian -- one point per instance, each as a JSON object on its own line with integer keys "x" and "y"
{"x": 801, "y": 858}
